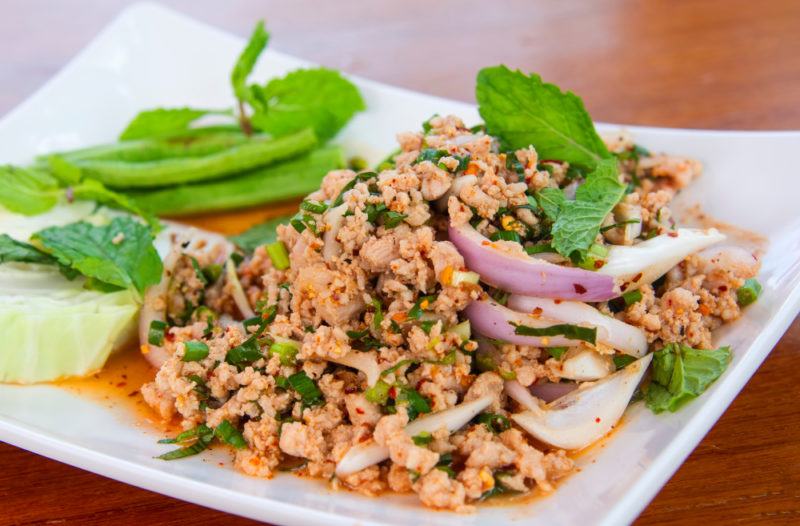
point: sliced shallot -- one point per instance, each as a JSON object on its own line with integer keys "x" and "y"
{"x": 369, "y": 453}
{"x": 611, "y": 331}
{"x": 515, "y": 271}
{"x": 366, "y": 362}
{"x": 493, "y": 320}
{"x": 583, "y": 416}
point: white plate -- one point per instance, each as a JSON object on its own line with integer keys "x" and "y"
{"x": 150, "y": 56}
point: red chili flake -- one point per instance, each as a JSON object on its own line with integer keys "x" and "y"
{"x": 597, "y": 419}
{"x": 393, "y": 393}
{"x": 672, "y": 234}
{"x": 169, "y": 336}
{"x": 133, "y": 393}
{"x": 537, "y": 312}
{"x": 350, "y": 389}
{"x": 359, "y": 411}
{"x": 599, "y": 263}
{"x": 637, "y": 277}
{"x": 419, "y": 384}
{"x": 723, "y": 288}
{"x": 580, "y": 289}
{"x": 121, "y": 384}
{"x": 623, "y": 287}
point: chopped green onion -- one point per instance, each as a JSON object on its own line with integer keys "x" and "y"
{"x": 297, "y": 222}
{"x": 357, "y": 163}
{"x": 595, "y": 257}
{"x": 378, "y": 318}
{"x": 430, "y": 154}
{"x": 505, "y": 235}
{"x": 306, "y": 388}
{"x": 204, "y": 436}
{"x": 378, "y": 393}
{"x": 313, "y": 206}
{"x": 198, "y": 271}
{"x": 278, "y": 255}
{"x": 539, "y": 249}
{"x": 374, "y": 211}
{"x": 421, "y": 305}
{"x": 622, "y": 360}
{"x": 447, "y": 469}
{"x": 426, "y": 126}
{"x": 572, "y": 332}
{"x": 249, "y": 351}
{"x": 212, "y": 272}
{"x": 364, "y": 176}
{"x": 423, "y": 438}
{"x": 194, "y": 351}
{"x": 286, "y": 350}
{"x": 237, "y": 258}
{"x": 507, "y": 375}
{"x": 494, "y": 422}
{"x": 463, "y": 330}
{"x": 282, "y": 382}
{"x": 226, "y": 432}
{"x": 556, "y": 352}
{"x": 449, "y": 358}
{"x": 155, "y": 335}
{"x": 398, "y": 365}
{"x": 427, "y": 325}
{"x": 631, "y": 297}
{"x": 416, "y": 402}
{"x": 484, "y": 362}
{"x": 749, "y": 292}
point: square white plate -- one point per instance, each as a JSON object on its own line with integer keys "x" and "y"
{"x": 151, "y": 56}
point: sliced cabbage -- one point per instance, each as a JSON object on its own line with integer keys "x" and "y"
{"x": 52, "y": 328}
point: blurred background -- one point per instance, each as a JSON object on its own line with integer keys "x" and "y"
{"x": 730, "y": 64}
{"x": 683, "y": 63}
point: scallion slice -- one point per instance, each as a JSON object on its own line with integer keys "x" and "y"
{"x": 573, "y": 332}
{"x": 226, "y": 432}
{"x": 306, "y": 388}
{"x": 278, "y": 255}
{"x": 155, "y": 335}
{"x": 194, "y": 351}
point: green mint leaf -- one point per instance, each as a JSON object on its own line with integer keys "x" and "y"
{"x": 247, "y": 60}
{"x": 319, "y": 98}
{"x": 120, "y": 253}
{"x": 550, "y": 201}
{"x": 681, "y": 374}
{"x": 522, "y": 110}
{"x": 12, "y": 250}
{"x": 261, "y": 234}
{"x": 579, "y": 221}
{"x": 162, "y": 122}
{"x": 28, "y": 191}
{"x": 93, "y": 190}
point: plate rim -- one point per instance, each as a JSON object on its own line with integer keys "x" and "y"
{"x": 667, "y": 462}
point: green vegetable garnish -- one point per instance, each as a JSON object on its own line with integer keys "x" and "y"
{"x": 550, "y": 201}
{"x": 226, "y": 432}
{"x": 556, "y": 352}
{"x": 287, "y": 351}
{"x": 313, "y": 206}
{"x": 416, "y": 402}
{"x": 378, "y": 393}
{"x": 681, "y": 374}
{"x": 278, "y": 255}
{"x": 420, "y": 306}
{"x": 522, "y": 110}
{"x": 12, "y": 250}
{"x": 623, "y": 360}
{"x": 749, "y": 292}
{"x": 120, "y": 253}
{"x": 260, "y": 234}
{"x": 28, "y": 191}
{"x": 306, "y": 388}
{"x": 631, "y": 297}
{"x": 494, "y": 422}
{"x": 161, "y": 122}
{"x": 247, "y": 60}
{"x": 505, "y": 235}
{"x": 194, "y": 351}
{"x": 391, "y": 218}
{"x": 203, "y": 436}
{"x": 573, "y": 332}
{"x": 423, "y": 438}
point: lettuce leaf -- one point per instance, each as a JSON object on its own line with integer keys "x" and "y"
{"x": 578, "y": 222}
{"x": 681, "y": 374}
{"x": 120, "y": 253}
{"x": 522, "y": 110}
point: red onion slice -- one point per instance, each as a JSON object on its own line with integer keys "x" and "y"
{"x": 549, "y": 391}
{"x": 647, "y": 261}
{"x": 522, "y": 274}
{"x": 611, "y": 331}
{"x": 492, "y": 320}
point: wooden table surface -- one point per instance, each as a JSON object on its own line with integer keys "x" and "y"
{"x": 731, "y": 64}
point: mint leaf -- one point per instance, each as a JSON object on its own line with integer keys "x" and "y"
{"x": 681, "y": 374}
{"x": 27, "y": 191}
{"x": 261, "y": 234}
{"x": 120, "y": 253}
{"x": 247, "y": 60}
{"x": 319, "y": 98}
{"x": 578, "y": 221}
{"x": 161, "y": 122}
{"x": 550, "y": 201}
{"x": 522, "y": 110}
{"x": 12, "y": 250}
{"x": 93, "y": 190}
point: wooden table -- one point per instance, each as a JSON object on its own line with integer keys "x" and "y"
{"x": 702, "y": 64}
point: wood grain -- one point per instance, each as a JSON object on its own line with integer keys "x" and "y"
{"x": 697, "y": 64}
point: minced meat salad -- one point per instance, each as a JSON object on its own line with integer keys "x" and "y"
{"x": 435, "y": 326}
